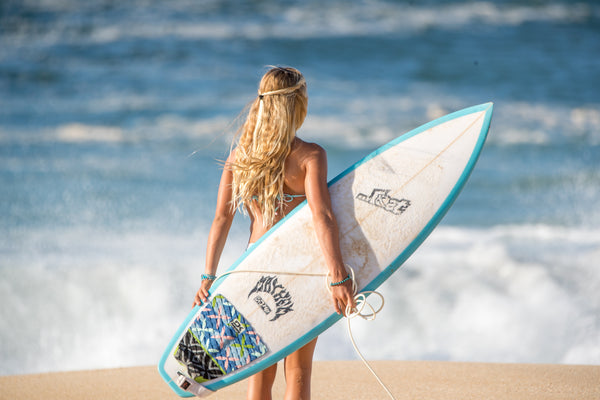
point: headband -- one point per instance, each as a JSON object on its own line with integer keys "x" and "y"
{"x": 284, "y": 90}
{"x": 260, "y": 104}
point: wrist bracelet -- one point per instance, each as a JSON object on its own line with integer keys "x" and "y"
{"x": 208, "y": 277}
{"x": 341, "y": 282}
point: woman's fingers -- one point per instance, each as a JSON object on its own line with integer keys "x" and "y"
{"x": 202, "y": 293}
{"x": 342, "y": 298}
{"x": 201, "y": 296}
{"x": 198, "y": 298}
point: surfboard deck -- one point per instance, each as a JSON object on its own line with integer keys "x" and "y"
{"x": 385, "y": 205}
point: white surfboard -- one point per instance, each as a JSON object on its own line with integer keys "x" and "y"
{"x": 386, "y": 205}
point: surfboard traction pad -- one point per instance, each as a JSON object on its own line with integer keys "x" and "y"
{"x": 219, "y": 341}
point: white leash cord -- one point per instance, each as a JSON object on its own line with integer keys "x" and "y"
{"x": 362, "y": 303}
{"x": 361, "y": 297}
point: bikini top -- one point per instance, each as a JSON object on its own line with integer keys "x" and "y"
{"x": 287, "y": 198}
{"x": 290, "y": 197}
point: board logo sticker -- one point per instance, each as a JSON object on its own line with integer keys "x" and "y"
{"x": 262, "y": 304}
{"x": 237, "y": 326}
{"x": 279, "y": 301}
{"x": 381, "y": 199}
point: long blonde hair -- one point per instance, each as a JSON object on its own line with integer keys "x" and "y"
{"x": 265, "y": 141}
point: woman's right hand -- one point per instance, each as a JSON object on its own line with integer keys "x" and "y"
{"x": 202, "y": 293}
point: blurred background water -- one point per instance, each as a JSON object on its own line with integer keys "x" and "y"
{"x": 113, "y": 116}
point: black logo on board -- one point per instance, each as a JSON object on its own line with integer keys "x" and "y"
{"x": 380, "y": 198}
{"x": 281, "y": 298}
{"x": 237, "y": 326}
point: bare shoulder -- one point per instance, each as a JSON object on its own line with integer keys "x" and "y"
{"x": 310, "y": 153}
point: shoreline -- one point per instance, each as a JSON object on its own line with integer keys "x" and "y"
{"x": 335, "y": 380}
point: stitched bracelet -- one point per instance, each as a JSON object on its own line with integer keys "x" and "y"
{"x": 346, "y": 279}
{"x": 208, "y": 277}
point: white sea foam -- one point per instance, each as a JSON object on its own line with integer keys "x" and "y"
{"x": 374, "y": 120}
{"x": 367, "y": 122}
{"x": 310, "y": 20}
{"x": 507, "y": 294}
{"x": 539, "y": 123}
{"x": 361, "y": 19}
{"x": 79, "y": 299}
{"x": 164, "y": 127}
{"x": 85, "y": 133}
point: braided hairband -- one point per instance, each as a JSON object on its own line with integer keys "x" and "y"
{"x": 286, "y": 90}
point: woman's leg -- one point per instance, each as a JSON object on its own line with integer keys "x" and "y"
{"x": 261, "y": 383}
{"x": 298, "y": 368}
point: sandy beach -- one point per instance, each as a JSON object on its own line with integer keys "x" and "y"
{"x": 335, "y": 380}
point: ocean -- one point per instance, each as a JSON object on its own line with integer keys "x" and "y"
{"x": 114, "y": 117}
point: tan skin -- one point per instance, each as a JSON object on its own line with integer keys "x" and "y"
{"x": 305, "y": 173}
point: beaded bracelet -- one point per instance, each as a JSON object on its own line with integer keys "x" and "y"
{"x": 346, "y": 279}
{"x": 208, "y": 277}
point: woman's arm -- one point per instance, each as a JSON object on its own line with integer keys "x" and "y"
{"x": 218, "y": 231}
{"x": 319, "y": 201}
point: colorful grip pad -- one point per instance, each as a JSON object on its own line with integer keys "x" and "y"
{"x": 218, "y": 342}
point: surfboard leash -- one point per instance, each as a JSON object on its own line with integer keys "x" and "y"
{"x": 361, "y": 304}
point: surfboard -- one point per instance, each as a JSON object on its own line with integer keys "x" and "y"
{"x": 385, "y": 204}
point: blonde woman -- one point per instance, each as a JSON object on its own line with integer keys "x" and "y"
{"x": 267, "y": 174}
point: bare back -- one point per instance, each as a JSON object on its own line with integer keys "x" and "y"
{"x": 302, "y": 158}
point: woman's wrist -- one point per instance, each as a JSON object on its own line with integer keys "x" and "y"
{"x": 208, "y": 277}
{"x": 338, "y": 272}
{"x": 341, "y": 281}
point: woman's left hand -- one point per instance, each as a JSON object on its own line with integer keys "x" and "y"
{"x": 343, "y": 296}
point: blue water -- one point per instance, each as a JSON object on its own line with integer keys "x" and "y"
{"x": 113, "y": 116}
